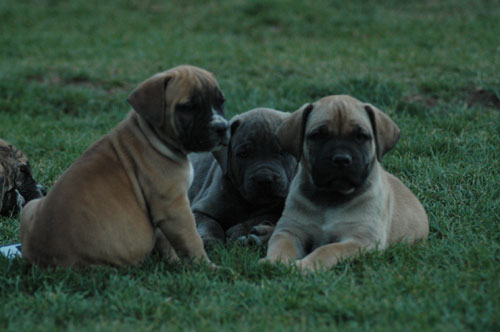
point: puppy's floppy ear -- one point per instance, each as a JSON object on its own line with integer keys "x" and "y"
{"x": 148, "y": 99}
{"x": 223, "y": 155}
{"x": 386, "y": 132}
{"x": 291, "y": 132}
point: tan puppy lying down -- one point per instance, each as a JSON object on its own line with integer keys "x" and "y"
{"x": 128, "y": 191}
{"x": 342, "y": 201}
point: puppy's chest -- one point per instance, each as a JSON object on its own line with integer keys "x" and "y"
{"x": 339, "y": 219}
{"x": 332, "y": 224}
{"x": 168, "y": 182}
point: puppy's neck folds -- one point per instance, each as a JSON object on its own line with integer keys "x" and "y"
{"x": 160, "y": 145}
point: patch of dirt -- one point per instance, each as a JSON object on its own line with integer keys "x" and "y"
{"x": 473, "y": 96}
{"x": 428, "y": 101}
{"x": 484, "y": 98}
{"x": 53, "y": 80}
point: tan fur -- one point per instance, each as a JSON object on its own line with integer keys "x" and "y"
{"x": 387, "y": 212}
{"x": 126, "y": 193}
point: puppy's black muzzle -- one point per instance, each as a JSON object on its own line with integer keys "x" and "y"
{"x": 264, "y": 179}
{"x": 265, "y": 185}
{"x": 339, "y": 167}
{"x": 342, "y": 160}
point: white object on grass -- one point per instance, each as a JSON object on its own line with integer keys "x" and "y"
{"x": 11, "y": 250}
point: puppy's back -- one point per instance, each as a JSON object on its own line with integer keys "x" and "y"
{"x": 409, "y": 220}
{"x": 59, "y": 229}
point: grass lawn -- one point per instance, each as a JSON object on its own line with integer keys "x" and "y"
{"x": 434, "y": 66}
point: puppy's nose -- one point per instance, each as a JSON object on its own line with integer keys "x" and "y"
{"x": 220, "y": 127}
{"x": 264, "y": 179}
{"x": 342, "y": 159}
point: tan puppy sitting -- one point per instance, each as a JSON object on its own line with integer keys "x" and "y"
{"x": 133, "y": 183}
{"x": 342, "y": 201}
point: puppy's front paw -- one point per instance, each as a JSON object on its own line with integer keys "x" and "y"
{"x": 275, "y": 260}
{"x": 210, "y": 243}
{"x": 258, "y": 236}
{"x": 250, "y": 240}
{"x": 265, "y": 260}
{"x": 235, "y": 232}
{"x": 309, "y": 266}
{"x": 305, "y": 266}
{"x": 263, "y": 230}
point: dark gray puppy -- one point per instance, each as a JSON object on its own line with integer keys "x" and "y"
{"x": 242, "y": 188}
{"x": 17, "y": 185}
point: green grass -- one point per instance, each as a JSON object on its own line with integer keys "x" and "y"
{"x": 434, "y": 66}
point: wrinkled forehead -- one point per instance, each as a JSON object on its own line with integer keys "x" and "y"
{"x": 252, "y": 131}
{"x": 339, "y": 114}
{"x": 184, "y": 84}
{"x": 258, "y": 126}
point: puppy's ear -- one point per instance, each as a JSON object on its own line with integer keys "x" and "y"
{"x": 148, "y": 99}
{"x": 291, "y": 132}
{"x": 223, "y": 155}
{"x": 386, "y": 132}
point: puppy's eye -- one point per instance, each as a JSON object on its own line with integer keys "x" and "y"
{"x": 283, "y": 153}
{"x": 185, "y": 106}
{"x": 317, "y": 135}
{"x": 242, "y": 154}
{"x": 244, "y": 151}
{"x": 362, "y": 136}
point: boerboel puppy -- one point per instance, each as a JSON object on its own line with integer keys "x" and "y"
{"x": 17, "y": 186}
{"x": 128, "y": 191}
{"x": 342, "y": 201}
{"x": 241, "y": 188}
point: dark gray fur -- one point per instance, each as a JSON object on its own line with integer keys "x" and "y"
{"x": 235, "y": 190}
